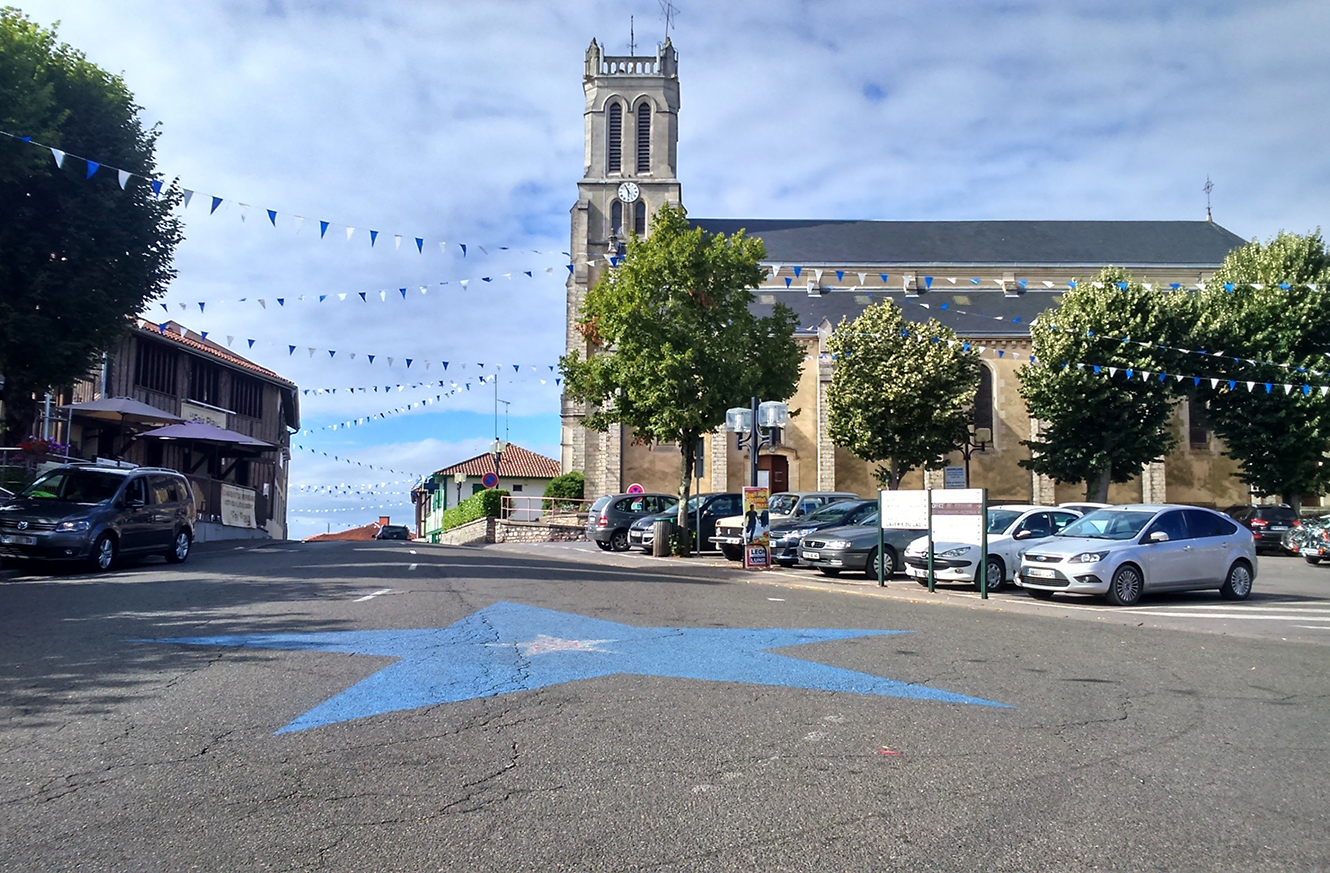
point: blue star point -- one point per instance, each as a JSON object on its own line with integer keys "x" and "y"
{"x": 508, "y": 647}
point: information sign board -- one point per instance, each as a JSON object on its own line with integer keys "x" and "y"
{"x": 958, "y": 515}
{"x": 757, "y": 528}
{"x": 903, "y": 510}
{"x": 953, "y": 477}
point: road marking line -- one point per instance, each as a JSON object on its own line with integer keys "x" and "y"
{"x": 1225, "y": 616}
{"x": 372, "y": 596}
{"x": 413, "y": 566}
{"x": 1315, "y": 626}
{"x": 777, "y": 599}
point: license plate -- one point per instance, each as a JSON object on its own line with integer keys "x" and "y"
{"x": 1041, "y": 573}
{"x": 1278, "y": 527}
{"x": 17, "y": 540}
{"x": 915, "y": 572}
{"x": 811, "y": 556}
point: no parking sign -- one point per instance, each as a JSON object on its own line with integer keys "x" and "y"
{"x": 490, "y": 480}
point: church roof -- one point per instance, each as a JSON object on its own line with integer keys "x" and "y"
{"x": 1199, "y": 244}
{"x": 969, "y": 313}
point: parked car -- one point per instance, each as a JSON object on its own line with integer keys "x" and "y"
{"x": 1011, "y": 530}
{"x": 1125, "y": 551}
{"x": 98, "y": 514}
{"x": 1267, "y": 522}
{"x": 393, "y": 532}
{"x": 714, "y": 506}
{"x": 1084, "y": 507}
{"x": 854, "y": 547}
{"x": 782, "y": 506}
{"x": 786, "y": 535}
{"x": 610, "y": 516}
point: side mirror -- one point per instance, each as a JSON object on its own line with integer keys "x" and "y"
{"x": 1158, "y": 537}
{"x": 1022, "y": 535}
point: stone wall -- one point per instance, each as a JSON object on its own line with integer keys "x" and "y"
{"x": 494, "y": 530}
{"x": 470, "y": 534}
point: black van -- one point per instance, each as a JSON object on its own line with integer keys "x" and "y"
{"x": 97, "y": 514}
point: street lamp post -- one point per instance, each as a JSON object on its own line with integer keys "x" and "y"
{"x": 757, "y": 427}
{"x": 977, "y": 440}
{"x": 497, "y": 448}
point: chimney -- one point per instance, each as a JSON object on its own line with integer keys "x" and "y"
{"x": 383, "y": 521}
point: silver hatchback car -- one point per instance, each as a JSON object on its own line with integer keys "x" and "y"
{"x": 1122, "y": 552}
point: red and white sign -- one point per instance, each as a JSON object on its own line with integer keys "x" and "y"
{"x": 635, "y": 489}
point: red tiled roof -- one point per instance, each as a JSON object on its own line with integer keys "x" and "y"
{"x": 360, "y": 534}
{"x": 515, "y": 463}
{"x": 196, "y": 342}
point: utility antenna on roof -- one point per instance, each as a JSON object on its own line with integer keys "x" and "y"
{"x": 1209, "y": 186}
{"x": 668, "y": 10}
{"x": 632, "y": 38}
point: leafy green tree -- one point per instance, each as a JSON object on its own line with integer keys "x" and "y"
{"x": 77, "y": 255}
{"x": 1102, "y": 427}
{"x": 1279, "y": 439}
{"x": 672, "y": 342}
{"x": 901, "y": 393}
{"x": 564, "y": 491}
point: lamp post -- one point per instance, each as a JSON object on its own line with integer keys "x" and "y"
{"x": 977, "y": 440}
{"x": 769, "y": 416}
{"x": 497, "y": 449}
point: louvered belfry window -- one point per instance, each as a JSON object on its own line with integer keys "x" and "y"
{"x": 640, "y": 218}
{"x": 616, "y": 217}
{"x": 644, "y": 137}
{"x": 614, "y": 140}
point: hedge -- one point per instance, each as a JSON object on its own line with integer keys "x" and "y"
{"x": 569, "y": 487}
{"x": 482, "y": 504}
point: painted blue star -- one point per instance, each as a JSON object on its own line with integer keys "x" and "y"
{"x": 510, "y": 647}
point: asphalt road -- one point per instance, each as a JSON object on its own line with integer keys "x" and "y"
{"x": 293, "y": 725}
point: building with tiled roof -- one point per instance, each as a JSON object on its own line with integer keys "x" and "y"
{"x": 521, "y": 472}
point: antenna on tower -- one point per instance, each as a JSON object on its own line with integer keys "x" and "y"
{"x": 668, "y": 11}
{"x": 1209, "y": 186}
{"x": 632, "y": 38}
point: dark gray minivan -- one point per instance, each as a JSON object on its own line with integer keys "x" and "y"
{"x": 610, "y": 517}
{"x": 97, "y": 514}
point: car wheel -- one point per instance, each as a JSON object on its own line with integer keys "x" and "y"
{"x": 1040, "y": 594}
{"x": 888, "y": 564}
{"x": 922, "y": 580}
{"x": 619, "y": 541}
{"x": 1238, "y": 584}
{"x": 1311, "y": 559}
{"x": 103, "y": 553}
{"x": 179, "y": 551}
{"x": 604, "y": 546}
{"x": 828, "y": 571}
{"x": 732, "y": 553}
{"x": 1126, "y": 587}
{"x": 996, "y": 573}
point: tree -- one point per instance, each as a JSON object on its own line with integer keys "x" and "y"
{"x": 1105, "y": 410}
{"x": 901, "y": 393}
{"x": 78, "y": 255}
{"x": 1279, "y": 336}
{"x": 673, "y": 343}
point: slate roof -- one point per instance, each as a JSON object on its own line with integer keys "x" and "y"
{"x": 515, "y": 463}
{"x": 968, "y": 313}
{"x": 1092, "y": 244}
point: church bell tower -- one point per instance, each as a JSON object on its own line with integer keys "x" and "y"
{"x": 632, "y": 136}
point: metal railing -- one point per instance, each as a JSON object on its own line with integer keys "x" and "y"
{"x": 552, "y": 510}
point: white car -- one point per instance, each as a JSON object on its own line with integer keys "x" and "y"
{"x": 1124, "y": 551}
{"x": 1011, "y": 530}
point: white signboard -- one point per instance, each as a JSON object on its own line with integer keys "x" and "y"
{"x": 204, "y": 413}
{"x": 903, "y": 510}
{"x": 953, "y": 477}
{"x": 237, "y": 506}
{"x": 958, "y": 515}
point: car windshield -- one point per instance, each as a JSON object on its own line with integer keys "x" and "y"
{"x": 1108, "y": 524}
{"x": 75, "y": 486}
{"x": 783, "y": 504}
{"x": 835, "y": 512}
{"x": 1001, "y": 519}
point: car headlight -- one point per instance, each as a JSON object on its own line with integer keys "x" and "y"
{"x": 1088, "y": 558}
{"x": 955, "y": 553}
{"x": 837, "y": 544}
{"x": 73, "y": 526}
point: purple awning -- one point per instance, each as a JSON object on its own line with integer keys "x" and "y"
{"x": 122, "y": 409}
{"x": 201, "y": 432}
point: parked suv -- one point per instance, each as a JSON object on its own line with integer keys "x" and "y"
{"x": 781, "y": 507}
{"x": 1267, "y": 523}
{"x": 610, "y": 517}
{"x": 97, "y": 514}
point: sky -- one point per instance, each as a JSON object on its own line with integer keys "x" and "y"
{"x": 462, "y": 123}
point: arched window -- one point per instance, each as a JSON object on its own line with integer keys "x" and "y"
{"x": 640, "y": 218}
{"x": 983, "y": 399}
{"x": 616, "y": 217}
{"x": 644, "y": 137}
{"x": 614, "y": 138}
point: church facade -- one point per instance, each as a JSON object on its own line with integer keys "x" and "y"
{"x": 987, "y": 280}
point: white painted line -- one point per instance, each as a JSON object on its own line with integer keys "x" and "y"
{"x": 1297, "y": 606}
{"x": 413, "y": 551}
{"x": 1315, "y": 626}
{"x": 413, "y": 566}
{"x": 1224, "y": 616}
{"x": 777, "y": 599}
{"x": 372, "y": 596}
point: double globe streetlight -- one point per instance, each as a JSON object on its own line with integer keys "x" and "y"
{"x": 770, "y": 415}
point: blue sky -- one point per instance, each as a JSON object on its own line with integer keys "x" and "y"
{"x": 462, "y": 122}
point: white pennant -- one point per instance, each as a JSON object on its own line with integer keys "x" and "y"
{"x": 1251, "y": 386}
{"x": 59, "y": 158}
{"x": 1288, "y": 389}
{"x": 123, "y": 176}
{"x": 349, "y": 231}
{"x": 863, "y": 277}
{"x": 1112, "y": 371}
{"x": 1214, "y": 383}
{"x": 263, "y": 303}
{"x": 189, "y": 195}
{"x": 397, "y": 240}
{"x": 299, "y": 221}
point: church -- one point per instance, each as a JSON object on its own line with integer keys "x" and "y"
{"x": 986, "y": 280}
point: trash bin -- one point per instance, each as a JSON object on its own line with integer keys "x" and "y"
{"x": 662, "y": 530}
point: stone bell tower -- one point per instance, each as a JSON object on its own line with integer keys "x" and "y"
{"x": 632, "y": 137}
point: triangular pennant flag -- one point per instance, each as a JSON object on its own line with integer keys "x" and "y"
{"x": 272, "y": 217}
{"x": 332, "y": 354}
{"x": 373, "y": 238}
{"x": 362, "y": 296}
{"x": 928, "y": 283}
{"x": 123, "y": 177}
{"x": 312, "y": 351}
{"x": 189, "y": 195}
{"x": 463, "y": 245}
{"x": 390, "y": 362}
{"x": 323, "y": 229}
{"x": 92, "y": 168}
{"x": 59, "y": 158}
{"x": 263, "y": 303}
{"x": 397, "y": 240}
{"x": 371, "y": 358}
{"x": 291, "y": 351}
{"x": 201, "y": 302}
{"x": 251, "y": 343}
{"x": 216, "y": 201}
{"x": 349, "y": 232}
{"x": 156, "y": 187}
{"x": 403, "y": 290}
{"x": 420, "y": 245}
{"x": 281, "y": 301}
{"x": 1112, "y": 371}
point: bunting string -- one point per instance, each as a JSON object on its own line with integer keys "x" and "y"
{"x": 414, "y": 476}
{"x": 884, "y": 280}
{"x": 1219, "y": 383}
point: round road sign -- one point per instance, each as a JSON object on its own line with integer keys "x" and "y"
{"x": 489, "y": 480}
{"x": 635, "y": 489}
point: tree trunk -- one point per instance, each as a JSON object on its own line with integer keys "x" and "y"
{"x": 687, "y": 445}
{"x": 1293, "y": 500}
{"x": 894, "y": 479}
{"x": 1096, "y": 489}
{"x": 20, "y": 412}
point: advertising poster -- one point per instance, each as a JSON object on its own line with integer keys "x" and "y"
{"x": 237, "y": 506}
{"x": 757, "y": 529}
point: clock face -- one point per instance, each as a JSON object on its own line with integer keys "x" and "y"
{"x": 628, "y": 192}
